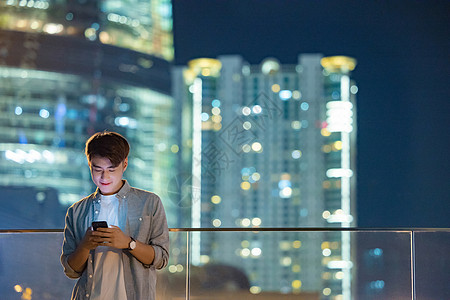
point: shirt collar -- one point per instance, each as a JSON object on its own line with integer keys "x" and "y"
{"x": 120, "y": 194}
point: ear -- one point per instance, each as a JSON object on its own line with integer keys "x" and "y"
{"x": 125, "y": 164}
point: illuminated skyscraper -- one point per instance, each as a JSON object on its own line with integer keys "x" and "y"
{"x": 273, "y": 146}
{"x": 72, "y": 68}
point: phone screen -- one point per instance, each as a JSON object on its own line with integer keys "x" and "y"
{"x": 99, "y": 224}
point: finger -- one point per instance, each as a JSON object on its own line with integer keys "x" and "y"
{"x": 102, "y": 233}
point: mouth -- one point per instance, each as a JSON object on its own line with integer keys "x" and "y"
{"x": 103, "y": 183}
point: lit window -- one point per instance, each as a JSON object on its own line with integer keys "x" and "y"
{"x": 337, "y": 145}
{"x": 326, "y": 252}
{"x": 174, "y": 148}
{"x": 286, "y": 261}
{"x": 204, "y": 117}
{"x": 256, "y": 251}
{"x": 296, "y": 95}
{"x": 246, "y": 148}
{"x": 204, "y": 259}
{"x": 245, "y": 252}
{"x": 172, "y": 268}
{"x": 216, "y": 199}
{"x": 257, "y": 147}
{"x": 296, "y": 154}
{"x": 215, "y": 111}
{"x": 304, "y": 106}
{"x": 43, "y": 113}
{"x": 246, "y": 111}
{"x": 215, "y": 103}
{"x": 286, "y": 192}
{"x": 216, "y": 119}
{"x": 326, "y": 214}
{"x": 217, "y": 126}
{"x": 296, "y": 244}
{"x": 245, "y": 222}
{"x": 256, "y": 221}
{"x": 18, "y": 111}
{"x": 245, "y": 185}
{"x": 326, "y": 291}
{"x": 18, "y": 288}
{"x": 325, "y": 245}
{"x": 257, "y": 109}
{"x": 325, "y": 132}
{"x": 296, "y": 125}
{"x": 256, "y": 176}
{"x": 339, "y": 275}
{"x": 247, "y": 125}
{"x": 276, "y": 88}
{"x": 296, "y": 284}
{"x": 285, "y": 95}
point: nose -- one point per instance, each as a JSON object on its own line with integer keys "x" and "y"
{"x": 104, "y": 175}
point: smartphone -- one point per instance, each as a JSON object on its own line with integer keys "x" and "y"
{"x": 99, "y": 224}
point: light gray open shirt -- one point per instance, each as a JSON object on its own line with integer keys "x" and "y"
{"x": 141, "y": 216}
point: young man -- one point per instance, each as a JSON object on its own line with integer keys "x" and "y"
{"x": 118, "y": 262}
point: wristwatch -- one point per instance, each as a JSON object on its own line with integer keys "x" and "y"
{"x": 132, "y": 244}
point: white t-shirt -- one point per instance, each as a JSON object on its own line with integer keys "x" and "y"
{"x": 109, "y": 283}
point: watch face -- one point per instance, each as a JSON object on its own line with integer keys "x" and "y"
{"x": 132, "y": 245}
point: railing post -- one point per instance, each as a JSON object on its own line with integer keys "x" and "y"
{"x": 413, "y": 265}
{"x": 188, "y": 262}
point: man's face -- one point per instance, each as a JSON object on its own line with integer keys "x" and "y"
{"x": 107, "y": 178}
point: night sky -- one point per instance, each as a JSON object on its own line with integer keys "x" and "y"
{"x": 403, "y": 72}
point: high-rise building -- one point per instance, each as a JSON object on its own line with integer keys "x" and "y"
{"x": 72, "y": 68}
{"x": 272, "y": 145}
{"x": 142, "y": 26}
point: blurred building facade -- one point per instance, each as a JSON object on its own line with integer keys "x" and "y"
{"x": 71, "y": 68}
{"x": 271, "y": 145}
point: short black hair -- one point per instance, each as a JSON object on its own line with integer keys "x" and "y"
{"x": 107, "y": 144}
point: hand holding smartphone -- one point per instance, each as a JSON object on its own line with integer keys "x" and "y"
{"x": 99, "y": 224}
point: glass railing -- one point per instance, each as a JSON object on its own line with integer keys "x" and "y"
{"x": 257, "y": 263}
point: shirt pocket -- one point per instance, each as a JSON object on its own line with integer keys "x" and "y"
{"x": 144, "y": 230}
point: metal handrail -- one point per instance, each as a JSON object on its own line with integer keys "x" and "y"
{"x": 262, "y": 229}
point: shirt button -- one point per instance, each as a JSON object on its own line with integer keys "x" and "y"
{"x": 96, "y": 211}
{"x": 90, "y": 276}
{"x": 87, "y": 295}
{"x": 140, "y": 219}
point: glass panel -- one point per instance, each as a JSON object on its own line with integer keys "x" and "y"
{"x": 30, "y": 266}
{"x": 171, "y": 282}
{"x": 301, "y": 265}
{"x": 248, "y": 265}
{"x": 432, "y": 265}
{"x": 383, "y": 265}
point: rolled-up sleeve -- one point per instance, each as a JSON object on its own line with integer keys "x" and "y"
{"x": 69, "y": 245}
{"x": 159, "y": 238}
